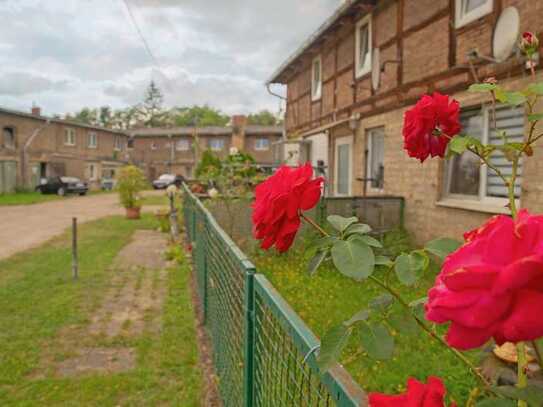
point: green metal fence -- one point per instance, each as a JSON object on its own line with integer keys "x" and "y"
{"x": 264, "y": 354}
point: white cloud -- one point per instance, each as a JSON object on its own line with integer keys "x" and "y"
{"x": 74, "y": 53}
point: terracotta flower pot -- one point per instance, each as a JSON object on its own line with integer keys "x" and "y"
{"x": 133, "y": 213}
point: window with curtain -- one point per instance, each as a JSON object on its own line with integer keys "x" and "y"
{"x": 376, "y": 157}
{"x": 465, "y": 178}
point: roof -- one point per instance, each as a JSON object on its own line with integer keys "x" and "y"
{"x": 209, "y": 130}
{"x": 61, "y": 121}
{"x": 346, "y": 7}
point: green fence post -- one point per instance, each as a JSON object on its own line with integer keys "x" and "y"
{"x": 204, "y": 288}
{"x": 249, "y": 379}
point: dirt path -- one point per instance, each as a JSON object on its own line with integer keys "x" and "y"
{"x": 27, "y": 226}
{"x": 132, "y": 307}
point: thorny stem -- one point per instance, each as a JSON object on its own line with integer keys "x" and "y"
{"x": 490, "y": 165}
{"x": 419, "y": 322}
{"x": 522, "y": 380}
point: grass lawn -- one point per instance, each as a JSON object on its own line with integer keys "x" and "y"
{"x": 328, "y": 298}
{"x": 38, "y": 300}
{"x": 156, "y": 200}
{"x": 26, "y": 198}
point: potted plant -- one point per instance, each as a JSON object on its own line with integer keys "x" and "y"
{"x": 130, "y": 183}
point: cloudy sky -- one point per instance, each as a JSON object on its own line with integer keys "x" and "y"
{"x": 67, "y": 54}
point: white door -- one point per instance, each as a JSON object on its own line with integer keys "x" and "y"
{"x": 319, "y": 149}
{"x": 343, "y": 166}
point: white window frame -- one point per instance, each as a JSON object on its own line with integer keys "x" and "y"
{"x": 316, "y": 88}
{"x": 347, "y": 140}
{"x": 93, "y": 140}
{"x": 4, "y": 140}
{"x": 463, "y": 18}
{"x": 259, "y": 146}
{"x": 93, "y": 171}
{"x": 215, "y": 148}
{"x": 117, "y": 143}
{"x": 481, "y": 202}
{"x": 69, "y": 137}
{"x": 185, "y": 145}
{"x": 370, "y": 134}
{"x": 366, "y": 68}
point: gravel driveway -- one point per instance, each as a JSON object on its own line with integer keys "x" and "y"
{"x": 27, "y": 226}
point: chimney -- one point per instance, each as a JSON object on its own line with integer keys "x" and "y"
{"x": 239, "y": 122}
{"x": 36, "y": 110}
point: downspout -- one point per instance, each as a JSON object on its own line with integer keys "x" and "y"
{"x": 284, "y": 135}
{"x": 24, "y": 153}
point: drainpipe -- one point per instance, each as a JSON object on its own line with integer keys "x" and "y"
{"x": 24, "y": 153}
{"x": 284, "y": 135}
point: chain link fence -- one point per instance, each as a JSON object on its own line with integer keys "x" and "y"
{"x": 263, "y": 353}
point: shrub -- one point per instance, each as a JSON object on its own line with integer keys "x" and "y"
{"x": 130, "y": 182}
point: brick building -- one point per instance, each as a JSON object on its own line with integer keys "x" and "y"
{"x": 355, "y": 125}
{"x": 177, "y": 150}
{"x": 33, "y": 146}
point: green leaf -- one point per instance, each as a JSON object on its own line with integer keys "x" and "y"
{"x": 383, "y": 261}
{"x": 511, "y": 98}
{"x": 535, "y": 117}
{"x": 404, "y": 272}
{"x": 325, "y": 242}
{"x": 535, "y": 88}
{"x": 340, "y": 223}
{"x": 419, "y": 261}
{"x": 494, "y": 402}
{"x": 358, "y": 228}
{"x": 360, "y": 316}
{"x": 353, "y": 258}
{"x": 442, "y": 247}
{"x": 332, "y": 344}
{"x": 482, "y": 87}
{"x": 316, "y": 261}
{"x": 403, "y": 322}
{"x": 532, "y": 393}
{"x": 377, "y": 341}
{"x": 381, "y": 303}
{"x": 370, "y": 241}
{"x": 459, "y": 144}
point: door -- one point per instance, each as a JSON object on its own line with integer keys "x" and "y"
{"x": 319, "y": 150}
{"x": 343, "y": 166}
{"x": 8, "y": 176}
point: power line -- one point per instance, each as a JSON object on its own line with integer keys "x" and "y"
{"x": 142, "y": 37}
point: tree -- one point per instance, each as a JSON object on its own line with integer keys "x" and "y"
{"x": 198, "y": 116}
{"x": 264, "y": 118}
{"x": 151, "y": 111}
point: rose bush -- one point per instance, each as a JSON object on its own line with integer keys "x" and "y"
{"x": 491, "y": 285}
{"x": 278, "y": 203}
{"x": 418, "y": 394}
{"x": 430, "y": 125}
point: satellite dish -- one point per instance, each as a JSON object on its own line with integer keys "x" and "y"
{"x": 375, "y": 69}
{"x": 506, "y": 34}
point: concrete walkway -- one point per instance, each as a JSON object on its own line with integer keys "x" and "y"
{"x": 27, "y": 226}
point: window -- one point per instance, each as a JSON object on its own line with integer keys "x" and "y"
{"x": 216, "y": 144}
{"x": 343, "y": 166}
{"x": 69, "y": 137}
{"x": 262, "y": 144}
{"x": 470, "y": 10}
{"x": 363, "y": 46}
{"x": 118, "y": 143}
{"x": 182, "y": 145}
{"x": 93, "y": 140}
{"x": 130, "y": 143}
{"x": 8, "y": 134}
{"x": 465, "y": 179}
{"x": 92, "y": 172}
{"x": 316, "y": 79}
{"x": 376, "y": 158}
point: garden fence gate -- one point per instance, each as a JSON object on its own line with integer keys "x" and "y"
{"x": 263, "y": 353}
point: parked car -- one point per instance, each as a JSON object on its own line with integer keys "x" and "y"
{"x": 62, "y": 186}
{"x": 164, "y": 181}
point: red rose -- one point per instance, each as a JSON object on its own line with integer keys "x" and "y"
{"x": 430, "y": 125}
{"x": 417, "y": 395}
{"x": 278, "y": 202}
{"x": 492, "y": 287}
{"x": 529, "y": 42}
